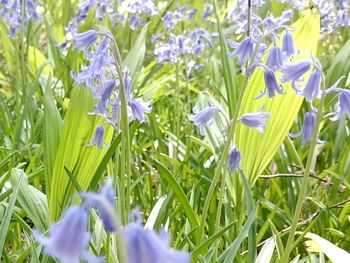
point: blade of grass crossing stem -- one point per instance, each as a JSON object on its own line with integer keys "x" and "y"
{"x": 228, "y": 67}
{"x": 252, "y": 230}
{"x": 7, "y": 217}
{"x": 78, "y": 130}
{"x": 258, "y": 149}
{"x": 179, "y": 192}
{"x": 234, "y": 247}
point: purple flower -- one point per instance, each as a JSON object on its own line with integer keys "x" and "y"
{"x": 307, "y": 130}
{"x": 256, "y": 119}
{"x": 234, "y": 159}
{"x": 83, "y": 41}
{"x": 271, "y": 85}
{"x": 312, "y": 88}
{"x": 203, "y": 118}
{"x": 288, "y": 44}
{"x": 342, "y": 107}
{"x": 293, "y": 71}
{"x": 243, "y": 51}
{"x": 207, "y": 11}
{"x": 101, "y": 106}
{"x": 145, "y": 246}
{"x": 69, "y": 238}
{"x": 274, "y": 60}
{"x": 139, "y": 108}
{"x": 98, "y": 138}
{"x": 104, "y": 201}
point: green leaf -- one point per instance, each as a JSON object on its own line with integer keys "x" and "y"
{"x": 266, "y": 251}
{"x": 5, "y": 221}
{"x": 73, "y": 154}
{"x": 179, "y": 192}
{"x": 33, "y": 202}
{"x": 319, "y": 244}
{"x": 340, "y": 66}
{"x": 52, "y": 130}
{"x": 259, "y": 149}
{"x": 233, "y": 248}
{"x": 135, "y": 56}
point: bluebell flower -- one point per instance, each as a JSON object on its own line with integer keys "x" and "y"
{"x": 256, "y": 120}
{"x": 203, "y": 118}
{"x": 138, "y": 108}
{"x": 243, "y": 51}
{"x": 145, "y": 246}
{"x": 274, "y": 59}
{"x": 293, "y": 71}
{"x": 104, "y": 98}
{"x": 98, "y": 138}
{"x": 69, "y": 238}
{"x": 84, "y": 40}
{"x": 271, "y": 85}
{"x": 307, "y": 129}
{"x": 104, "y": 202}
{"x": 288, "y": 44}
{"x": 342, "y": 107}
{"x": 234, "y": 159}
{"x": 313, "y": 86}
{"x": 207, "y": 11}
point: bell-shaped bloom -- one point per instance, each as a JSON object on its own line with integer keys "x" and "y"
{"x": 271, "y": 85}
{"x": 83, "y": 41}
{"x": 146, "y": 246}
{"x": 275, "y": 59}
{"x": 69, "y": 238}
{"x": 256, "y": 120}
{"x": 104, "y": 202}
{"x": 98, "y": 138}
{"x": 313, "y": 86}
{"x": 293, "y": 71}
{"x": 342, "y": 107}
{"x": 203, "y": 118}
{"x": 288, "y": 44}
{"x": 243, "y": 51}
{"x": 104, "y": 97}
{"x": 234, "y": 159}
{"x": 307, "y": 130}
{"x": 138, "y": 109}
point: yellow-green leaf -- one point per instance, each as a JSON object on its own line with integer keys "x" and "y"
{"x": 259, "y": 149}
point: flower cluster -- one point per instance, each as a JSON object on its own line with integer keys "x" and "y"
{"x": 100, "y": 76}
{"x": 11, "y": 12}
{"x": 69, "y": 238}
{"x": 131, "y": 13}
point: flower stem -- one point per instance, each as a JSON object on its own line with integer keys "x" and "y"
{"x": 125, "y": 155}
{"x": 304, "y": 184}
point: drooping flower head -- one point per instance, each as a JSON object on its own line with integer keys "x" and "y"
{"x": 288, "y": 44}
{"x": 274, "y": 59}
{"x": 104, "y": 201}
{"x": 271, "y": 85}
{"x": 98, "y": 138}
{"x": 312, "y": 89}
{"x": 146, "y": 246}
{"x": 293, "y": 71}
{"x": 203, "y": 118}
{"x": 138, "y": 108}
{"x": 84, "y": 40}
{"x": 342, "y": 107}
{"x": 307, "y": 129}
{"x": 256, "y": 120}
{"x": 69, "y": 238}
{"x": 243, "y": 51}
{"x": 234, "y": 159}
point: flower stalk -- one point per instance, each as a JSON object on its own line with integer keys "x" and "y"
{"x": 306, "y": 176}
